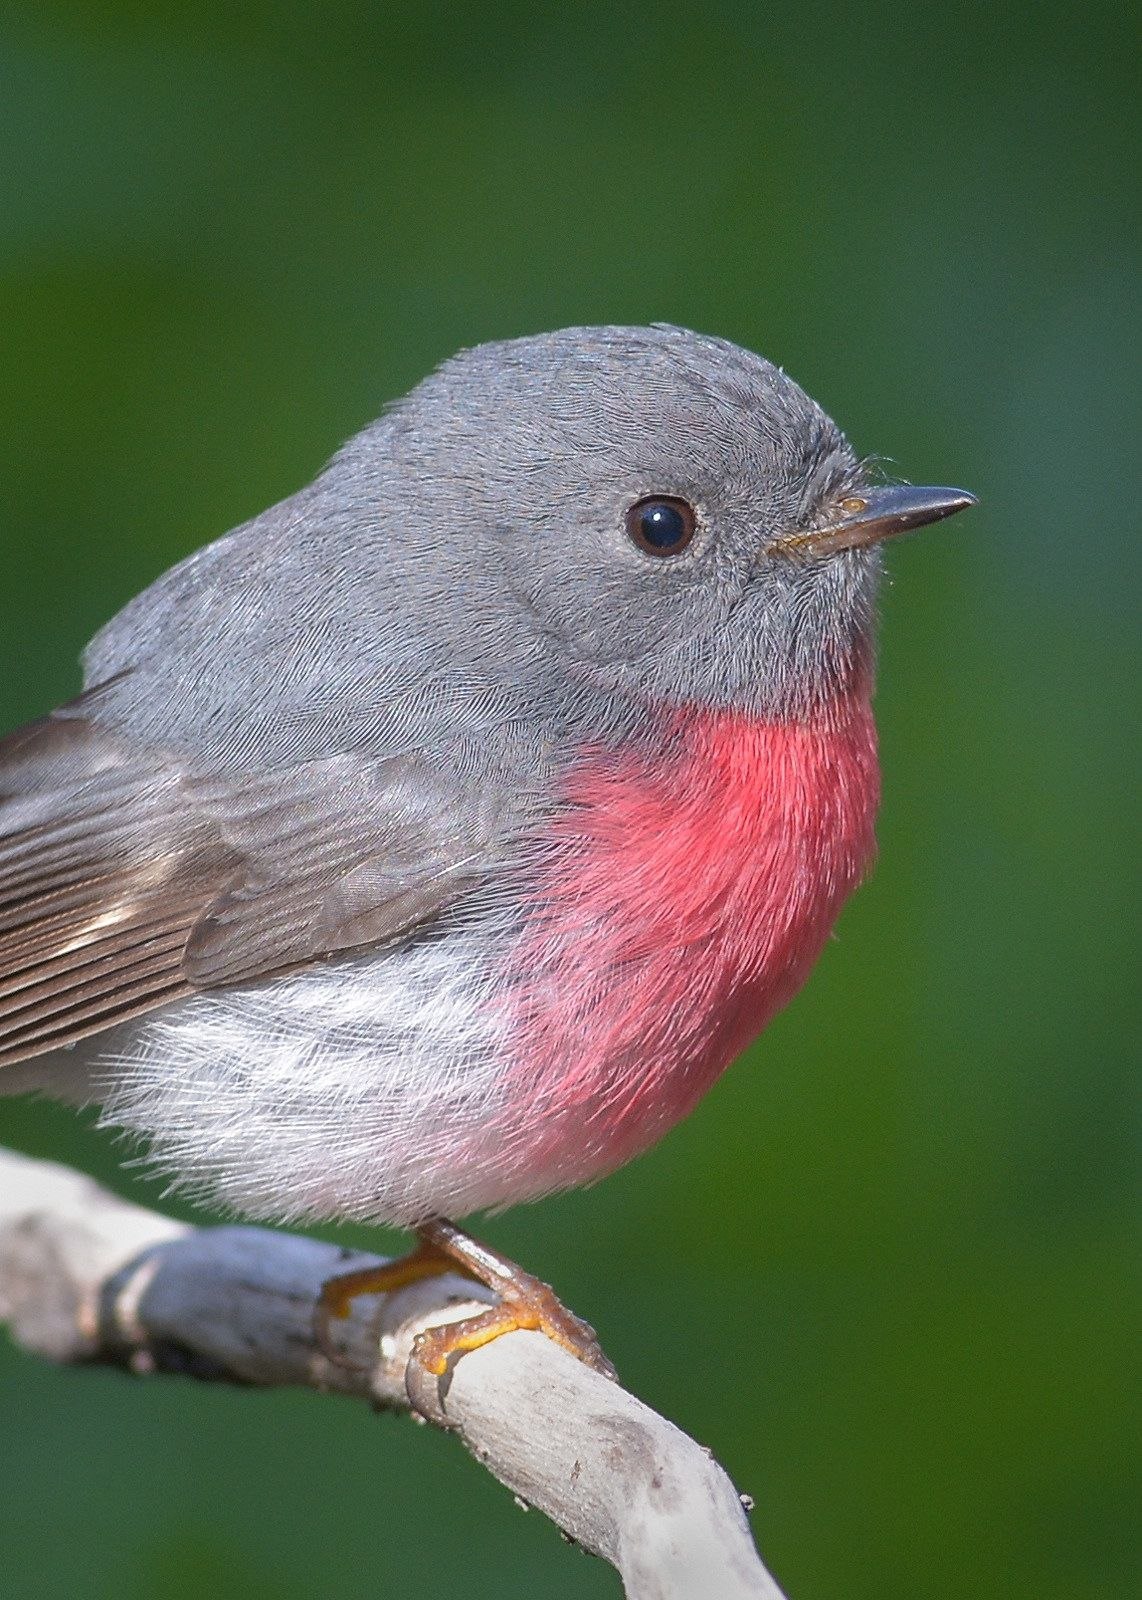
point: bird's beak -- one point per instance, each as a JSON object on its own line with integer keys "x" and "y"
{"x": 874, "y": 515}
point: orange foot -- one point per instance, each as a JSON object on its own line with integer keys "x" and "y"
{"x": 524, "y": 1302}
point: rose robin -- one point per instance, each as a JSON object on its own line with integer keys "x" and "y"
{"x": 434, "y": 841}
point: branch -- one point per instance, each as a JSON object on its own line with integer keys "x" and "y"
{"x": 84, "y": 1276}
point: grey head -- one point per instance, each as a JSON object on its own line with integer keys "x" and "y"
{"x": 475, "y": 546}
{"x": 551, "y": 458}
{"x": 556, "y": 469}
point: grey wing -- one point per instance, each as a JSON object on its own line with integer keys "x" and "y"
{"x": 128, "y": 878}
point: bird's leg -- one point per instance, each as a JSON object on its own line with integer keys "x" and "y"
{"x": 524, "y": 1302}
{"x": 335, "y": 1301}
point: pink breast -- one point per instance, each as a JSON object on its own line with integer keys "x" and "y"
{"x": 683, "y": 902}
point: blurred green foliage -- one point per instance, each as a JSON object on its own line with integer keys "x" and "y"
{"x": 885, "y": 1271}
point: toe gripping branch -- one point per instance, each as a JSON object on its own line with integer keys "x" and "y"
{"x": 524, "y": 1302}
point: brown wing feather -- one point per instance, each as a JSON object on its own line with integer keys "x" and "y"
{"x": 102, "y": 876}
{"x": 127, "y": 882}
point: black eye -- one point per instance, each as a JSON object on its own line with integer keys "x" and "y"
{"x": 661, "y": 525}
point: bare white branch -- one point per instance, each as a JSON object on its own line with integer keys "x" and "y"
{"x": 86, "y": 1277}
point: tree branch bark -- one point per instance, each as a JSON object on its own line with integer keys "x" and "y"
{"x": 85, "y": 1276}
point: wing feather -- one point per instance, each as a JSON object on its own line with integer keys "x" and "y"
{"x": 129, "y": 879}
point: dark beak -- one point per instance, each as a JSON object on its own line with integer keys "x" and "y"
{"x": 874, "y": 515}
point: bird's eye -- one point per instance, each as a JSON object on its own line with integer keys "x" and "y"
{"x": 661, "y": 525}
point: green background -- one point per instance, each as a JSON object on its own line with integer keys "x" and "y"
{"x": 884, "y": 1270}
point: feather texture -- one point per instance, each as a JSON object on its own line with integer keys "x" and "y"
{"x": 128, "y": 880}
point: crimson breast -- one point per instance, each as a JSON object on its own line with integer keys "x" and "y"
{"x": 683, "y": 901}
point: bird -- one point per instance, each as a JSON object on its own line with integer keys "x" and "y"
{"x": 433, "y": 841}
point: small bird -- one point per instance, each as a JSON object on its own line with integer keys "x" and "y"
{"x": 433, "y": 841}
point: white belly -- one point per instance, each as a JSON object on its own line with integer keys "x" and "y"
{"x": 358, "y": 1090}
